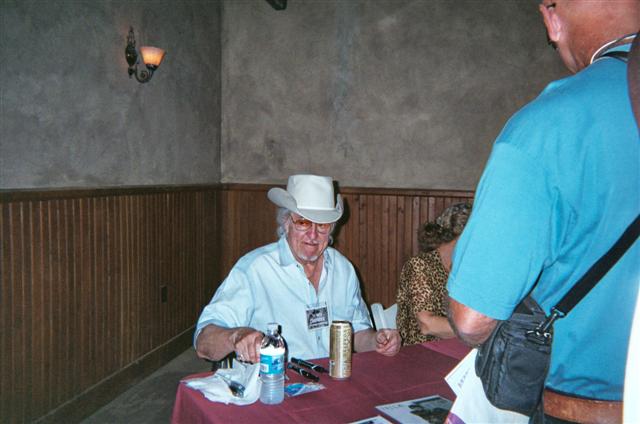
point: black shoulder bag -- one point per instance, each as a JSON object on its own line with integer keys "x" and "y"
{"x": 513, "y": 362}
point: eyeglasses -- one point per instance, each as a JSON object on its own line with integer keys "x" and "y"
{"x": 303, "y": 225}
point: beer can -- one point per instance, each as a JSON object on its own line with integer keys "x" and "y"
{"x": 340, "y": 347}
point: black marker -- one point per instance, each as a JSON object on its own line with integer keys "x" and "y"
{"x": 309, "y": 365}
{"x": 303, "y": 373}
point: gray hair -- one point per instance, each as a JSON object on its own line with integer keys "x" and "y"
{"x": 283, "y": 214}
{"x": 445, "y": 228}
{"x": 455, "y": 217}
{"x": 281, "y": 219}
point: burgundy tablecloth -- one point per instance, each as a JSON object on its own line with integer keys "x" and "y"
{"x": 450, "y": 347}
{"x": 416, "y": 371}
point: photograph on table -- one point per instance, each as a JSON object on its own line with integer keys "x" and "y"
{"x": 430, "y": 409}
{"x": 373, "y": 420}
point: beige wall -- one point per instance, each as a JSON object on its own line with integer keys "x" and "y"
{"x": 377, "y": 93}
{"x": 70, "y": 115}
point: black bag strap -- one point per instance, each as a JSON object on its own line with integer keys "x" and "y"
{"x": 632, "y": 58}
{"x": 542, "y": 333}
{"x": 633, "y": 76}
{"x": 599, "y": 269}
{"x": 606, "y": 262}
{"x": 620, "y": 55}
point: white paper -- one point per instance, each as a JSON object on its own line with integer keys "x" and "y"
{"x": 631, "y": 405}
{"x": 471, "y": 404}
{"x": 457, "y": 376}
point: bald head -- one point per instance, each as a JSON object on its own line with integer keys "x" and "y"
{"x": 580, "y": 27}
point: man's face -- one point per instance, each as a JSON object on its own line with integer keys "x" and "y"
{"x": 308, "y": 244}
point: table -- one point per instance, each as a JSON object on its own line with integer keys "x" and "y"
{"x": 416, "y": 371}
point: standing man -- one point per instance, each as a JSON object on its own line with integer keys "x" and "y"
{"x": 298, "y": 282}
{"x": 560, "y": 187}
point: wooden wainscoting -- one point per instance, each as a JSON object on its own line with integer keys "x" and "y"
{"x": 83, "y": 274}
{"x": 94, "y": 281}
{"x": 378, "y": 235}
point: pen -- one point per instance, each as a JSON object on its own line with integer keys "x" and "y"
{"x": 308, "y": 364}
{"x": 303, "y": 373}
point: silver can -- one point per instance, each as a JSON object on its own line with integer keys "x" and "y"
{"x": 340, "y": 348}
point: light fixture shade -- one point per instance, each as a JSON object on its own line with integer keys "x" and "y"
{"x": 152, "y": 56}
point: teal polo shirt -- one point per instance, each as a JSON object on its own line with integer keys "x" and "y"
{"x": 561, "y": 185}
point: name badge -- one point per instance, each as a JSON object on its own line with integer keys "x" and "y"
{"x": 317, "y": 316}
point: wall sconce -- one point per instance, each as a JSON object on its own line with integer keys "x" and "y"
{"x": 278, "y": 4}
{"x": 151, "y": 56}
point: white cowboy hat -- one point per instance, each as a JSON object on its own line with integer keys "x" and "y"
{"x": 310, "y": 196}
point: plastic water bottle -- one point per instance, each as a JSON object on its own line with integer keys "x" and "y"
{"x": 272, "y": 366}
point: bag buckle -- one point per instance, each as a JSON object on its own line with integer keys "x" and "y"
{"x": 542, "y": 333}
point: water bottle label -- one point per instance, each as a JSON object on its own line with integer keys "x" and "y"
{"x": 271, "y": 364}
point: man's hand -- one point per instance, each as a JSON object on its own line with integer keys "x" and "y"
{"x": 387, "y": 341}
{"x": 246, "y": 343}
{"x": 214, "y": 343}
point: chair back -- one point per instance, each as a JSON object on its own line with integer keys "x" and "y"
{"x": 384, "y": 318}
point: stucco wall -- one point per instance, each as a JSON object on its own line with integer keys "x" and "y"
{"x": 70, "y": 115}
{"x": 386, "y": 93}
{"x": 390, "y": 93}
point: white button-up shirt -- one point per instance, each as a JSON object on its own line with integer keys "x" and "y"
{"x": 269, "y": 285}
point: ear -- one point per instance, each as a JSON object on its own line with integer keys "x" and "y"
{"x": 552, "y": 21}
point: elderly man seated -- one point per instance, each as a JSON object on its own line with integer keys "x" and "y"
{"x": 298, "y": 282}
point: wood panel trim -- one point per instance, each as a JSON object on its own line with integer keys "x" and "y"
{"x": 82, "y": 269}
{"x": 360, "y": 190}
{"x": 92, "y": 399}
{"x": 378, "y": 235}
{"x": 81, "y": 283}
{"x": 7, "y": 196}
{"x": 70, "y": 193}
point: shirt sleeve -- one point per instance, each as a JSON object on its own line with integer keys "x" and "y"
{"x": 231, "y": 306}
{"x": 500, "y": 254}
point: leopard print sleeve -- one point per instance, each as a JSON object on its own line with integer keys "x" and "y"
{"x": 421, "y": 288}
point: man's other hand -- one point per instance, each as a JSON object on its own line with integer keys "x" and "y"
{"x": 387, "y": 341}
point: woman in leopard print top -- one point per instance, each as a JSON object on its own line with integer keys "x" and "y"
{"x": 422, "y": 290}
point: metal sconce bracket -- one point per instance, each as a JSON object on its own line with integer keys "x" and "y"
{"x": 144, "y": 74}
